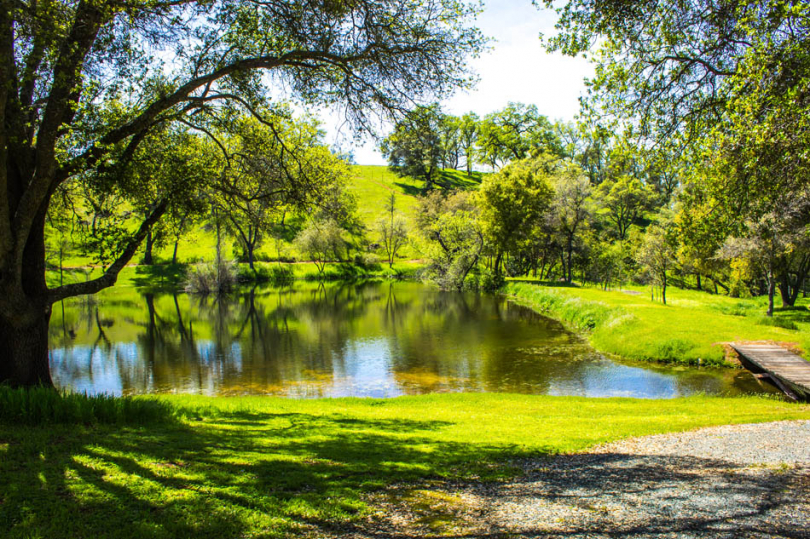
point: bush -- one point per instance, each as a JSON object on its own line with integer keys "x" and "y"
{"x": 206, "y": 277}
{"x": 368, "y": 261}
{"x": 39, "y": 405}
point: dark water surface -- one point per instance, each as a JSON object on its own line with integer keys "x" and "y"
{"x": 371, "y": 340}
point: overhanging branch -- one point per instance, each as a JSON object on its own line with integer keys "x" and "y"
{"x": 111, "y": 274}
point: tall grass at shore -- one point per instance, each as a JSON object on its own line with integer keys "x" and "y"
{"x": 43, "y": 406}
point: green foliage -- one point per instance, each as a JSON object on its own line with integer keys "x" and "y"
{"x": 515, "y": 201}
{"x": 211, "y": 277}
{"x": 515, "y": 133}
{"x": 623, "y": 201}
{"x": 452, "y": 236}
{"x": 656, "y": 256}
{"x": 322, "y": 242}
{"x": 414, "y": 148}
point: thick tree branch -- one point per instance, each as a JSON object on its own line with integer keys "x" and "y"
{"x": 111, "y": 274}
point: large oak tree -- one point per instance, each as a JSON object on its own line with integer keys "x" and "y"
{"x": 84, "y": 83}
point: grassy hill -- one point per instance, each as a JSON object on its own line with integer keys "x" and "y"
{"x": 371, "y": 185}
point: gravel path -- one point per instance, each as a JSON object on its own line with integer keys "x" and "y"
{"x": 724, "y": 482}
{"x": 742, "y": 481}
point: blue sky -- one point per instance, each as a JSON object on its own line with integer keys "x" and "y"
{"x": 516, "y": 69}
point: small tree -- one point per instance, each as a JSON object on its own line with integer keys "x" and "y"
{"x": 657, "y": 257}
{"x": 571, "y": 210}
{"x": 321, "y": 242}
{"x": 392, "y": 230}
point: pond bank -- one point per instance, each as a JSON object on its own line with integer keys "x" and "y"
{"x": 690, "y": 330}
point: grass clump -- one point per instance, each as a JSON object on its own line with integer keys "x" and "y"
{"x": 41, "y": 405}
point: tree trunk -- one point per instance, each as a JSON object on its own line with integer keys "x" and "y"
{"x": 786, "y": 292}
{"x": 771, "y": 290}
{"x": 174, "y": 253}
{"x": 498, "y": 259}
{"x": 147, "y": 253}
{"x": 699, "y": 286}
{"x": 25, "y": 351}
{"x": 570, "y": 277}
{"x": 664, "y": 289}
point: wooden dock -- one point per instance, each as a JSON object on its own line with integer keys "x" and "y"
{"x": 785, "y": 369}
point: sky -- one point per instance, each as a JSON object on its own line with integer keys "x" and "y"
{"x": 515, "y": 69}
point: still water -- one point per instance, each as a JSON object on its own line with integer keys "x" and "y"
{"x": 372, "y": 340}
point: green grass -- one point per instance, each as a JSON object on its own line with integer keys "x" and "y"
{"x": 272, "y": 467}
{"x": 687, "y": 330}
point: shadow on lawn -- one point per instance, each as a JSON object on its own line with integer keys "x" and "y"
{"x": 410, "y": 190}
{"x": 287, "y": 474}
{"x": 228, "y": 476}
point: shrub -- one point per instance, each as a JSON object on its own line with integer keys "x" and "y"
{"x": 368, "y": 261}
{"x": 206, "y": 277}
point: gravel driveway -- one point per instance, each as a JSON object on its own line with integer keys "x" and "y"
{"x": 742, "y": 481}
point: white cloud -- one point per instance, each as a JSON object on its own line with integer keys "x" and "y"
{"x": 516, "y": 69}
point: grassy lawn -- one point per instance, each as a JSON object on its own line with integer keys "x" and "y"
{"x": 626, "y": 323}
{"x": 271, "y": 467}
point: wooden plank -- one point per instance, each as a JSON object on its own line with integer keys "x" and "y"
{"x": 786, "y": 370}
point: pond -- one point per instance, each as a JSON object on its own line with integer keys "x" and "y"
{"x": 375, "y": 339}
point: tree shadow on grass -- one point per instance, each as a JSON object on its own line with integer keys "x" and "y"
{"x": 233, "y": 475}
{"x": 798, "y": 314}
{"x": 410, "y": 190}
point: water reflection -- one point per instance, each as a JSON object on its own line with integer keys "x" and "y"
{"x": 314, "y": 340}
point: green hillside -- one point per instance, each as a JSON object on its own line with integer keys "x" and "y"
{"x": 371, "y": 185}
